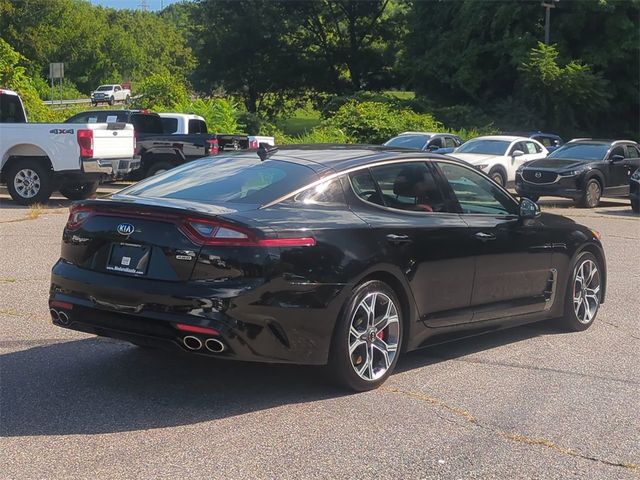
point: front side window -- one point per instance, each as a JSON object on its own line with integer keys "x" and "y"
{"x": 475, "y": 193}
{"x": 408, "y": 186}
{"x": 632, "y": 152}
{"x": 170, "y": 125}
{"x": 436, "y": 143}
{"x": 197, "y": 126}
{"x": 450, "y": 142}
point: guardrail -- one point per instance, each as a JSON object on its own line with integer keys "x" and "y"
{"x": 67, "y": 102}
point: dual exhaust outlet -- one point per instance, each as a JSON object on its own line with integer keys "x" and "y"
{"x": 211, "y": 344}
{"x": 60, "y": 316}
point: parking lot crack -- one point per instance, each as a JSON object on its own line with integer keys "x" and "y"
{"x": 471, "y": 421}
{"x": 621, "y": 329}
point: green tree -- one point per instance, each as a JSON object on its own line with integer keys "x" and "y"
{"x": 161, "y": 91}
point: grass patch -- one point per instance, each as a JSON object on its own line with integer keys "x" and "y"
{"x": 304, "y": 120}
{"x": 7, "y": 280}
{"x": 401, "y": 95}
{"x": 35, "y": 211}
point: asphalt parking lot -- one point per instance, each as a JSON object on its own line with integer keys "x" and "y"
{"x": 531, "y": 402}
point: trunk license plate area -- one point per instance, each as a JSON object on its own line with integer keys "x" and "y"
{"x": 129, "y": 258}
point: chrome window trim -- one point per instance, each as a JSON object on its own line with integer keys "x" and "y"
{"x": 348, "y": 171}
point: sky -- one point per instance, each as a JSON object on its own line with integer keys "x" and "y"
{"x": 152, "y": 4}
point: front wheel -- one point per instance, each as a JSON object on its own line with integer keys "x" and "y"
{"x": 584, "y": 293}
{"x": 367, "y": 339}
{"x": 79, "y": 191}
{"x": 498, "y": 177}
{"x": 591, "y": 194}
{"x": 635, "y": 205}
{"x": 111, "y": 100}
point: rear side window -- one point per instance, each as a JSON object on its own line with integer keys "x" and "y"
{"x": 226, "y": 179}
{"x": 327, "y": 193}
{"x": 408, "y": 186}
{"x": 145, "y": 123}
{"x": 632, "y": 151}
{"x": 170, "y": 125}
{"x": 11, "y": 110}
{"x": 197, "y": 126}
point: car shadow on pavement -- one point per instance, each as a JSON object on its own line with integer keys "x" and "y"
{"x": 619, "y": 213}
{"x": 103, "y": 386}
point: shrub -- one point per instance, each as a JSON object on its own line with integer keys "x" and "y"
{"x": 160, "y": 91}
{"x": 376, "y": 122}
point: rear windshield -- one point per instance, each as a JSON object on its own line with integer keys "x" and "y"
{"x": 146, "y": 123}
{"x": 228, "y": 179}
{"x": 409, "y": 141}
{"x": 11, "y": 109}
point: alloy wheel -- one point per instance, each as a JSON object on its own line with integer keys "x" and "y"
{"x": 27, "y": 183}
{"x": 374, "y": 336}
{"x": 593, "y": 193}
{"x": 586, "y": 291}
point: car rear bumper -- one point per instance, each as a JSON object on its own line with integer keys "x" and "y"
{"x": 254, "y": 321}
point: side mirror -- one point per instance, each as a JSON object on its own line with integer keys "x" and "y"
{"x": 617, "y": 158}
{"x": 433, "y": 148}
{"x": 528, "y": 208}
{"x": 517, "y": 153}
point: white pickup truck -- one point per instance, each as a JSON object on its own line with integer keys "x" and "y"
{"x": 38, "y": 158}
{"x": 110, "y": 94}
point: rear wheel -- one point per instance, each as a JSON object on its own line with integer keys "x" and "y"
{"x": 158, "y": 167}
{"x": 584, "y": 293}
{"x": 29, "y": 181}
{"x": 498, "y": 176}
{"x": 367, "y": 339}
{"x": 591, "y": 194}
{"x": 79, "y": 191}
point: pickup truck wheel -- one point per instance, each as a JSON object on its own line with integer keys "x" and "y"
{"x": 127, "y": 100}
{"x": 111, "y": 100}
{"x": 29, "y": 182}
{"x": 159, "y": 167}
{"x": 79, "y": 191}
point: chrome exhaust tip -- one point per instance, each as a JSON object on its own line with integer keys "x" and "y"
{"x": 54, "y": 314}
{"x": 214, "y": 345}
{"x": 63, "y": 318}
{"x": 192, "y": 343}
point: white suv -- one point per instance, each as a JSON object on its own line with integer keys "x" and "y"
{"x": 110, "y": 94}
{"x": 499, "y": 156}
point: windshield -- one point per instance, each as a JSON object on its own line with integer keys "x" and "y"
{"x": 228, "y": 179}
{"x": 581, "y": 151}
{"x": 485, "y": 147}
{"x": 409, "y": 141}
{"x": 104, "y": 88}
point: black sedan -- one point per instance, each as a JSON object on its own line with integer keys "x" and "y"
{"x": 583, "y": 170}
{"x": 344, "y": 256}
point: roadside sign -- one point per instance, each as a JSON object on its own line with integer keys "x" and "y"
{"x": 56, "y": 70}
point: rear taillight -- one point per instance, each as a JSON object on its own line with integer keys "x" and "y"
{"x": 85, "y": 141}
{"x": 77, "y": 216}
{"x": 206, "y": 232}
{"x": 135, "y": 143}
{"x": 213, "y": 145}
{"x": 253, "y": 144}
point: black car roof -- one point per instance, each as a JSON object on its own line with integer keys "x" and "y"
{"x": 344, "y": 157}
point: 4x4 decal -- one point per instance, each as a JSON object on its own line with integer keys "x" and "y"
{"x": 62, "y": 131}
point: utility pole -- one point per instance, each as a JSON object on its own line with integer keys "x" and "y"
{"x": 548, "y": 5}
{"x": 143, "y": 5}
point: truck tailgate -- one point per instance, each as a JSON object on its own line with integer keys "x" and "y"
{"x": 113, "y": 140}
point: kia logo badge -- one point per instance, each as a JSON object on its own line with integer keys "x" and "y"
{"x": 538, "y": 175}
{"x": 125, "y": 229}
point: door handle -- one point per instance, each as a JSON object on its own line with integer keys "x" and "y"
{"x": 398, "y": 239}
{"x": 485, "y": 237}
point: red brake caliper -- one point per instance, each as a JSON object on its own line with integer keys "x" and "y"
{"x": 380, "y": 335}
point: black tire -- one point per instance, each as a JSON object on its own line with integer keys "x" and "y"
{"x": 111, "y": 100}
{"x": 635, "y": 205}
{"x": 79, "y": 191}
{"x": 94, "y": 104}
{"x": 40, "y": 185}
{"x": 498, "y": 176}
{"x": 533, "y": 198}
{"x": 591, "y": 194}
{"x": 158, "y": 167}
{"x": 371, "y": 341}
{"x": 575, "y": 313}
